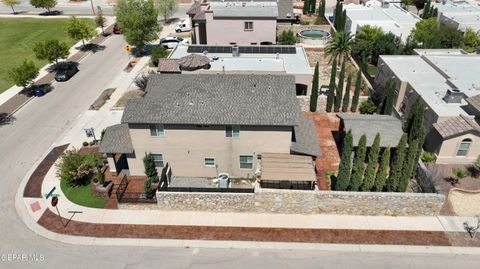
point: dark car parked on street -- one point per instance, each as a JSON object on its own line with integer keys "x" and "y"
{"x": 66, "y": 70}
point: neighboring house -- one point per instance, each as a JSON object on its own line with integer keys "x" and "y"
{"x": 205, "y": 124}
{"x": 242, "y": 23}
{"x": 459, "y": 15}
{"x": 390, "y": 18}
{"x": 449, "y": 84}
{"x": 290, "y": 60}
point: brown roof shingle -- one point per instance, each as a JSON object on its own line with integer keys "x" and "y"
{"x": 168, "y": 66}
{"x": 457, "y": 126}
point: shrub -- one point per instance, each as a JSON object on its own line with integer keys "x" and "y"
{"x": 99, "y": 177}
{"x": 287, "y": 38}
{"x": 157, "y": 53}
{"x": 85, "y": 143}
{"x": 303, "y": 22}
{"x": 92, "y": 143}
{"x": 149, "y": 165}
{"x": 458, "y": 173}
{"x": 428, "y": 157}
{"x": 149, "y": 193}
{"x": 141, "y": 80}
{"x": 476, "y": 164}
{"x": 74, "y": 168}
{"x": 367, "y": 107}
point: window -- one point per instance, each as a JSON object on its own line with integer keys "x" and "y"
{"x": 464, "y": 147}
{"x": 246, "y": 162}
{"x": 157, "y": 130}
{"x": 248, "y": 26}
{"x": 232, "y": 131}
{"x": 158, "y": 160}
{"x": 209, "y": 162}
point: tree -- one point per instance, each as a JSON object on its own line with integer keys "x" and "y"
{"x": 166, "y": 8}
{"x": 314, "y": 94}
{"x": 397, "y": 164}
{"x": 365, "y": 39}
{"x": 450, "y": 37}
{"x": 346, "y": 96}
{"x": 414, "y": 125}
{"x": 306, "y": 6}
{"x": 382, "y": 173}
{"x": 51, "y": 50}
{"x": 370, "y": 171}
{"x": 368, "y": 107}
{"x": 358, "y": 168}
{"x": 287, "y": 38}
{"x": 339, "y": 89}
{"x": 80, "y": 29}
{"x": 471, "y": 40}
{"x": 339, "y": 46}
{"x": 331, "y": 86}
{"x": 419, "y": 4}
{"x": 386, "y": 44}
{"x": 138, "y": 21}
{"x": 427, "y": 33}
{"x": 74, "y": 169}
{"x": 11, "y": 3}
{"x": 157, "y": 53}
{"x": 149, "y": 165}
{"x": 100, "y": 20}
{"x": 408, "y": 166}
{"x": 343, "y": 178}
{"x": 389, "y": 97}
{"x": 356, "y": 93}
{"x": 48, "y": 4}
{"x": 321, "y": 9}
{"x": 24, "y": 74}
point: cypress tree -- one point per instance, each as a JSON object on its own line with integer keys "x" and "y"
{"x": 321, "y": 9}
{"x": 306, "y": 5}
{"x": 426, "y": 11}
{"x": 343, "y": 178}
{"x": 387, "y": 107}
{"x": 371, "y": 169}
{"x": 358, "y": 168}
{"x": 412, "y": 114}
{"x": 397, "y": 164}
{"x": 356, "y": 93}
{"x": 339, "y": 93}
{"x": 382, "y": 172}
{"x": 346, "y": 96}
{"x": 314, "y": 94}
{"x": 149, "y": 165}
{"x": 408, "y": 166}
{"x": 343, "y": 20}
{"x": 415, "y": 125}
{"x": 313, "y": 4}
{"x": 331, "y": 86}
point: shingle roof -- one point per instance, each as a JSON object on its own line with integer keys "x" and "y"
{"x": 306, "y": 138}
{"x": 168, "y": 66}
{"x": 214, "y": 99}
{"x": 389, "y": 127}
{"x": 116, "y": 140}
{"x": 474, "y": 101}
{"x": 457, "y": 126}
{"x": 194, "y": 8}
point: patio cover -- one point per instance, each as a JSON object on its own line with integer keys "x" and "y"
{"x": 287, "y": 167}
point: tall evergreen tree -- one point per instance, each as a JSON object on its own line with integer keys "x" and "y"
{"x": 408, "y": 166}
{"x": 356, "y": 93}
{"x": 389, "y": 96}
{"x": 426, "y": 11}
{"x": 149, "y": 165}
{"x": 397, "y": 164}
{"x": 343, "y": 178}
{"x": 415, "y": 127}
{"x": 331, "y": 86}
{"x": 321, "y": 9}
{"x": 370, "y": 171}
{"x": 382, "y": 173}
{"x": 358, "y": 168}
{"x": 314, "y": 94}
{"x": 306, "y": 6}
{"x": 346, "y": 96}
{"x": 339, "y": 92}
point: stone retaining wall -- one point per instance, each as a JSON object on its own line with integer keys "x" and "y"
{"x": 305, "y": 202}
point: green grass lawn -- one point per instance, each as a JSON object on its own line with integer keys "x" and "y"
{"x": 82, "y": 195}
{"x": 17, "y": 37}
{"x": 372, "y": 70}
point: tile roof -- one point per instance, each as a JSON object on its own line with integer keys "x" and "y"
{"x": 116, "y": 140}
{"x": 194, "y": 8}
{"x": 457, "y": 126}
{"x": 168, "y": 66}
{"x": 474, "y": 101}
{"x": 389, "y": 127}
{"x": 306, "y": 138}
{"x": 232, "y": 99}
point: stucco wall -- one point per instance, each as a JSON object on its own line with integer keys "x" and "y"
{"x": 449, "y": 148}
{"x": 264, "y": 30}
{"x": 185, "y": 147}
{"x": 306, "y": 202}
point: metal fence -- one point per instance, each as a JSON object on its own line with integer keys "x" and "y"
{"x": 137, "y": 197}
{"x": 187, "y": 189}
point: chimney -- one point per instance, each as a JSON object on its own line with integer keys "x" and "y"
{"x": 235, "y": 51}
{"x": 453, "y": 96}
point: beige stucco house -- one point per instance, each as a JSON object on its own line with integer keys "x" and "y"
{"x": 449, "y": 84}
{"x": 206, "y": 124}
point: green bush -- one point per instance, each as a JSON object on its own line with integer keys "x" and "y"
{"x": 476, "y": 164}
{"x": 157, "y": 53}
{"x": 303, "y": 22}
{"x": 368, "y": 107}
{"x": 149, "y": 193}
{"x": 428, "y": 157}
{"x": 287, "y": 38}
{"x": 99, "y": 177}
{"x": 85, "y": 143}
{"x": 74, "y": 168}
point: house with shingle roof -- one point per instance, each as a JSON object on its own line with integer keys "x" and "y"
{"x": 203, "y": 124}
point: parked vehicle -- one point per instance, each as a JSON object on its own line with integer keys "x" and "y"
{"x": 116, "y": 29}
{"x": 183, "y": 26}
{"x": 172, "y": 41}
{"x": 42, "y": 89}
{"x": 66, "y": 70}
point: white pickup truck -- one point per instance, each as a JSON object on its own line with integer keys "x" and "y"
{"x": 183, "y": 26}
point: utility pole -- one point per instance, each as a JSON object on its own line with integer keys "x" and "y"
{"x": 93, "y": 10}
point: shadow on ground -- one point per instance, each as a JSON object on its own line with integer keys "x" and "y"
{"x": 6, "y": 119}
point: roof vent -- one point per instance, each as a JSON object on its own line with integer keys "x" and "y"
{"x": 453, "y": 96}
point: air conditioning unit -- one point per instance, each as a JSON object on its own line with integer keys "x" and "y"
{"x": 223, "y": 180}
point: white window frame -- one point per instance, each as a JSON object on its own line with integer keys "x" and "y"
{"x": 163, "y": 159}
{"x": 155, "y": 127}
{"x": 233, "y": 129}
{"x": 240, "y": 161}
{"x": 246, "y": 25}
{"x": 209, "y": 165}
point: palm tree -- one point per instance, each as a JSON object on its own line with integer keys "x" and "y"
{"x": 339, "y": 46}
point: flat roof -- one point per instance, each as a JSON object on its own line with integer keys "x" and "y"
{"x": 433, "y": 75}
{"x": 244, "y": 9}
{"x": 465, "y": 14}
{"x": 391, "y": 19}
{"x": 287, "y": 167}
{"x": 292, "y": 63}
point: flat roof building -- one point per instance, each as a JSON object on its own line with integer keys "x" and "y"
{"x": 461, "y": 15}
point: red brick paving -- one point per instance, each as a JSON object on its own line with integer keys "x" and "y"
{"x": 325, "y": 124}
{"x": 50, "y": 221}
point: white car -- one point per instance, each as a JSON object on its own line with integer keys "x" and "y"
{"x": 183, "y": 26}
{"x": 172, "y": 41}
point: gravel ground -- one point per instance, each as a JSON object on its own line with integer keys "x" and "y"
{"x": 465, "y": 203}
